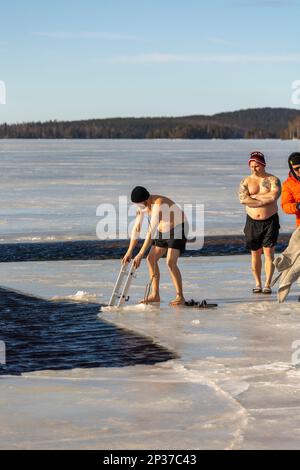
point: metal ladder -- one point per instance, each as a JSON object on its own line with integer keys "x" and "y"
{"x": 119, "y": 293}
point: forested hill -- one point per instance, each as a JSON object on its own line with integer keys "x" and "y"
{"x": 248, "y": 123}
{"x": 271, "y": 120}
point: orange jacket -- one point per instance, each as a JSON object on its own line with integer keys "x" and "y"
{"x": 291, "y": 196}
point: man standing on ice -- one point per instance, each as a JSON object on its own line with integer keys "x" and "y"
{"x": 290, "y": 200}
{"x": 259, "y": 192}
{"x": 288, "y": 263}
{"x": 166, "y": 234}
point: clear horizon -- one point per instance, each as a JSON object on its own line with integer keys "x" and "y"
{"x": 75, "y": 60}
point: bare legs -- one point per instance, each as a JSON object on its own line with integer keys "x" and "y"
{"x": 257, "y": 265}
{"x": 152, "y": 260}
{"x": 269, "y": 266}
{"x": 172, "y": 257}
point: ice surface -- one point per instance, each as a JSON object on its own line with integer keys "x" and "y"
{"x": 50, "y": 190}
{"x": 234, "y": 385}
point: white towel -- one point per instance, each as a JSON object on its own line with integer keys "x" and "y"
{"x": 288, "y": 266}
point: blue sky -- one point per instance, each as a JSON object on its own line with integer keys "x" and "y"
{"x": 72, "y": 59}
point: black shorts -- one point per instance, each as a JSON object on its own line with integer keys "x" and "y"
{"x": 261, "y": 233}
{"x": 175, "y": 239}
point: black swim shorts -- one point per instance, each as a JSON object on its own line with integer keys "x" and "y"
{"x": 176, "y": 238}
{"x": 261, "y": 233}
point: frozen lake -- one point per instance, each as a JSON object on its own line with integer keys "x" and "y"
{"x": 50, "y": 190}
{"x": 81, "y": 376}
{"x": 233, "y": 385}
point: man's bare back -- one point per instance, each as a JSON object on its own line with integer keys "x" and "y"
{"x": 170, "y": 214}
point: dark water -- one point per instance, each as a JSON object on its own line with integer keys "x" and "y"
{"x": 41, "y": 334}
{"x": 95, "y": 250}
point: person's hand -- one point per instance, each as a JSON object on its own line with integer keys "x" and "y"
{"x": 137, "y": 260}
{"x": 127, "y": 258}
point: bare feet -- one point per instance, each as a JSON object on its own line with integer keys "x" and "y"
{"x": 151, "y": 299}
{"x": 179, "y": 300}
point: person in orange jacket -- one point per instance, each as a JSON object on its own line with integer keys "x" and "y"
{"x": 290, "y": 199}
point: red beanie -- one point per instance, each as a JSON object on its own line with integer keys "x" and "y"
{"x": 257, "y": 157}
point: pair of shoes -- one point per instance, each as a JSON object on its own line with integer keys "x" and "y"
{"x": 267, "y": 290}
{"x": 257, "y": 290}
{"x": 204, "y": 304}
{"x": 190, "y": 303}
{"x": 200, "y": 304}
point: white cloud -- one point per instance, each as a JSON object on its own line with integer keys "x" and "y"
{"x": 162, "y": 58}
{"x": 87, "y": 35}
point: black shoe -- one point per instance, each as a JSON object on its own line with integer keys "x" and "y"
{"x": 257, "y": 290}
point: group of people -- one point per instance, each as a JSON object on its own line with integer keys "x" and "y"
{"x": 168, "y": 226}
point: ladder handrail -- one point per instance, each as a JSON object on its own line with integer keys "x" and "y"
{"x": 120, "y": 292}
{"x": 118, "y": 283}
{"x": 126, "y": 287}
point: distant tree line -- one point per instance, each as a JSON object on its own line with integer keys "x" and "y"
{"x": 293, "y": 129}
{"x": 257, "y": 123}
{"x": 118, "y": 129}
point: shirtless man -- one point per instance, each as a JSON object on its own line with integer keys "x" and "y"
{"x": 259, "y": 193}
{"x": 166, "y": 234}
